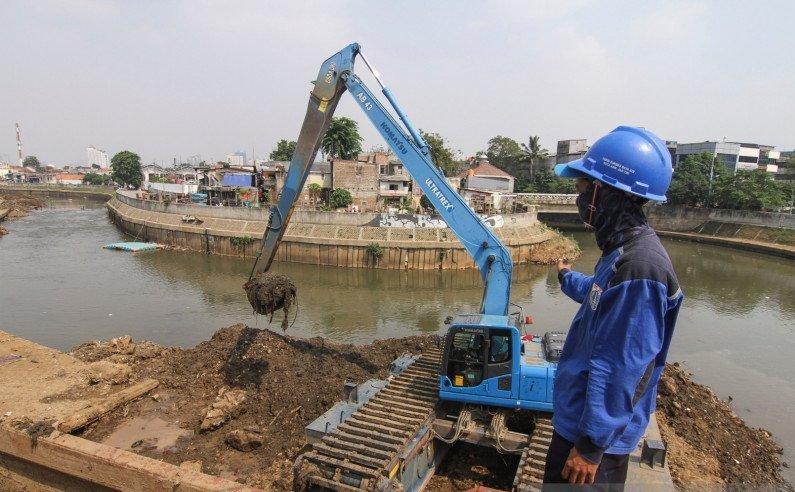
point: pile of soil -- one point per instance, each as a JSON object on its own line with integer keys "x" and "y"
{"x": 550, "y": 251}
{"x": 288, "y": 382}
{"x": 19, "y": 205}
{"x": 268, "y": 292}
{"x": 707, "y": 441}
{"x": 284, "y": 383}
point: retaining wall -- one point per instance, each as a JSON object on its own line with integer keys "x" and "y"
{"x": 683, "y": 218}
{"x": 322, "y": 243}
{"x": 66, "y": 192}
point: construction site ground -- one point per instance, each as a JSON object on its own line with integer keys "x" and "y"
{"x": 235, "y": 407}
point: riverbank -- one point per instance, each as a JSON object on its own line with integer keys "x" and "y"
{"x": 15, "y": 206}
{"x": 276, "y": 384}
{"x": 745, "y": 244}
{"x": 332, "y": 239}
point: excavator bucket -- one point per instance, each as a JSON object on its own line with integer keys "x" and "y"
{"x": 269, "y": 292}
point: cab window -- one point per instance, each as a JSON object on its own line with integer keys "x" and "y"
{"x": 500, "y": 346}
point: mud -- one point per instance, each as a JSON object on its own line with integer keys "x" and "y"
{"x": 707, "y": 441}
{"x": 19, "y": 205}
{"x": 267, "y": 293}
{"x": 289, "y": 381}
{"x": 550, "y": 251}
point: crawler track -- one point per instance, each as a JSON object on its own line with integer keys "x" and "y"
{"x": 364, "y": 451}
{"x": 530, "y": 472}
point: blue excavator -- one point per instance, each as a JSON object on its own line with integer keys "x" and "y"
{"x": 487, "y": 371}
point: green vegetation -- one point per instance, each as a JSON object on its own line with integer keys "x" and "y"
{"x": 441, "y": 154}
{"x": 314, "y": 192}
{"x": 96, "y": 179}
{"x": 426, "y": 204}
{"x": 533, "y": 153}
{"x": 340, "y": 198}
{"x": 547, "y": 182}
{"x": 342, "y": 139}
{"x": 284, "y": 150}
{"x": 33, "y": 161}
{"x": 241, "y": 242}
{"x": 375, "y": 251}
{"x": 749, "y": 190}
{"x": 126, "y": 169}
{"x": 743, "y": 190}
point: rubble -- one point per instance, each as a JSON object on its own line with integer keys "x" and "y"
{"x": 223, "y": 408}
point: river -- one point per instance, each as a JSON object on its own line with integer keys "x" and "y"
{"x": 736, "y": 330}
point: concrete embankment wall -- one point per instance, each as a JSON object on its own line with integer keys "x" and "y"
{"x": 682, "y": 218}
{"x": 344, "y": 244}
{"x": 100, "y": 193}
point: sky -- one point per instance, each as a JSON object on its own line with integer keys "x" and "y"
{"x": 172, "y": 79}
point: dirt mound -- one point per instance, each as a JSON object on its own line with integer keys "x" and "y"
{"x": 256, "y": 390}
{"x": 550, "y": 251}
{"x": 19, "y": 205}
{"x": 707, "y": 441}
{"x": 267, "y": 293}
{"x": 283, "y": 382}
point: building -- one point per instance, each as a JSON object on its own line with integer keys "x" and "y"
{"x": 486, "y": 188}
{"x": 238, "y": 159}
{"x": 360, "y": 179}
{"x": 671, "y": 145}
{"x": 395, "y": 185}
{"x": 569, "y": 150}
{"x": 69, "y": 179}
{"x": 734, "y": 155}
{"x": 96, "y": 157}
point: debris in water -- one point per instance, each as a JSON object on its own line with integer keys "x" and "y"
{"x": 267, "y": 293}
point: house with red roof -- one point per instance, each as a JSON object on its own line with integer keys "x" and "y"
{"x": 487, "y": 188}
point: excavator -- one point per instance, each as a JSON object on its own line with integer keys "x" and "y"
{"x": 489, "y": 381}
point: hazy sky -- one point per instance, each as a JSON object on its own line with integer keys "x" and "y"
{"x": 166, "y": 79}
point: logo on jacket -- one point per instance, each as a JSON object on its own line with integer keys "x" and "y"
{"x": 594, "y": 296}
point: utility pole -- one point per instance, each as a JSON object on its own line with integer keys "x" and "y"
{"x": 19, "y": 146}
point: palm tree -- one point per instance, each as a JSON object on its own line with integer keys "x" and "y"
{"x": 342, "y": 139}
{"x": 532, "y": 152}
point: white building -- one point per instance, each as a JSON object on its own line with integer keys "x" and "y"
{"x": 734, "y": 155}
{"x": 95, "y": 156}
{"x": 238, "y": 159}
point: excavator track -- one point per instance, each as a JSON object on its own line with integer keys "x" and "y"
{"x": 365, "y": 451}
{"x": 530, "y": 472}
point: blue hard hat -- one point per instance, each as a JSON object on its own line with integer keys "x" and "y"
{"x": 629, "y": 158}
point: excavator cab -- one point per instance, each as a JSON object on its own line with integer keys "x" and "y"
{"x": 487, "y": 361}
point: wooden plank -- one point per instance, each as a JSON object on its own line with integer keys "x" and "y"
{"x": 108, "y": 466}
{"x": 94, "y": 411}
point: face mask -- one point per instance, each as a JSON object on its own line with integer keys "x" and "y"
{"x": 586, "y": 204}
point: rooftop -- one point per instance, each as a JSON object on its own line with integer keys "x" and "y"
{"x": 484, "y": 168}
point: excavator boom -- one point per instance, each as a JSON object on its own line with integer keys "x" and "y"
{"x": 335, "y": 76}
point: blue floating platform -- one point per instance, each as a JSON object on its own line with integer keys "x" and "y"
{"x": 132, "y": 247}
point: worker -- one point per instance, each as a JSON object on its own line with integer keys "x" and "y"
{"x": 606, "y": 383}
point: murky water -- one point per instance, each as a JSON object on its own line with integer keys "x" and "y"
{"x": 736, "y": 330}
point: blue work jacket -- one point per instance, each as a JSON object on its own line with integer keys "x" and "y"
{"x": 606, "y": 383}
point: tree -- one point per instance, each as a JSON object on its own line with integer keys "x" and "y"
{"x": 96, "y": 179}
{"x": 532, "y": 153}
{"x": 314, "y": 192}
{"x": 284, "y": 150}
{"x": 340, "y": 198}
{"x": 504, "y": 152}
{"x": 33, "y": 161}
{"x": 126, "y": 169}
{"x": 749, "y": 190}
{"x": 426, "y": 204}
{"x": 342, "y": 139}
{"x": 694, "y": 179}
{"x": 546, "y": 182}
{"x": 441, "y": 154}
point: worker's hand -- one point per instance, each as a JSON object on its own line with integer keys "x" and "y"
{"x": 578, "y": 469}
{"x": 563, "y": 264}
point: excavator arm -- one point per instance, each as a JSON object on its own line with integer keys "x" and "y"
{"x": 336, "y": 75}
